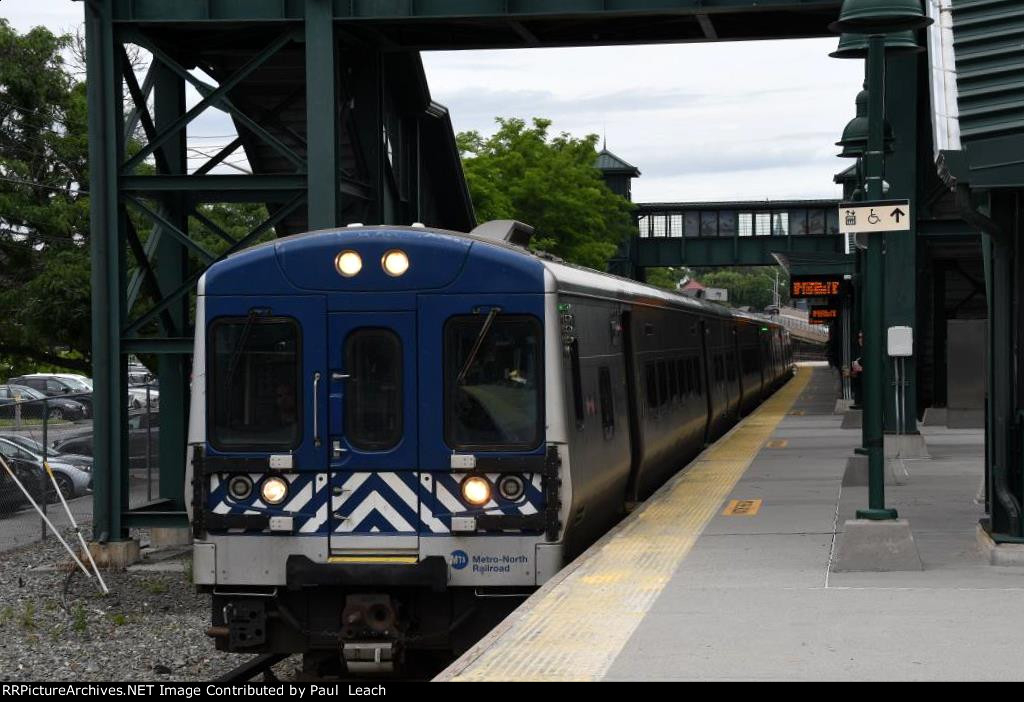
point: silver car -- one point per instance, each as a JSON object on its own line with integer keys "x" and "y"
{"x": 73, "y": 481}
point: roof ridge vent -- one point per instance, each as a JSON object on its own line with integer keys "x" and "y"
{"x": 507, "y": 230}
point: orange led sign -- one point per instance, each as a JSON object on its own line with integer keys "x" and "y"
{"x": 815, "y": 286}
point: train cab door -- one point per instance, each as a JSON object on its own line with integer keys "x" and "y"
{"x": 372, "y": 388}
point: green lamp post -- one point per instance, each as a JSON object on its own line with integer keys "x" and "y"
{"x": 876, "y": 18}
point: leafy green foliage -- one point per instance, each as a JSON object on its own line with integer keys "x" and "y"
{"x": 550, "y": 183}
{"x": 44, "y": 266}
{"x": 748, "y": 287}
{"x": 45, "y": 271}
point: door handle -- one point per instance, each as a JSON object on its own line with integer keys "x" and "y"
{"x": 335, "y": 375}
{"x": 316, "y": 409}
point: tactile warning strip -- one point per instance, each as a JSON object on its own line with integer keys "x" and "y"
{"x": 574, "y": 627}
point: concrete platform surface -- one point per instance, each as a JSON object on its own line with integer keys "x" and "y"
{"x": 681, "y": 590}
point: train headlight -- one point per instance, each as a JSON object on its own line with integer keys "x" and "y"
{"x": 395, "y": 263}
{"x": 511, "y": 487}
{"x": 240, "y": 487}
{"x": 274, "y": 490}
{"x": 476, "y": 490}
{"x": 348, "y": 263}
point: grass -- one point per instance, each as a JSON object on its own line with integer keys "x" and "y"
{"x": 155, "y": 587}
{"x": 188, "y": 571}
{"x": 79, "y": 622}
{"x": 119, "y": 619}
{"x": 6, "y": 615}
{"x": 28, "y": 616}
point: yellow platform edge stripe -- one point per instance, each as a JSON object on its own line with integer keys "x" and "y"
{"x": 574, "y": 626}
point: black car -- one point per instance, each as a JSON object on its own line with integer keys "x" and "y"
{"x": 143, "y": 429}
{"x": 32, "y": 405}
{"x": 57, "y": 386}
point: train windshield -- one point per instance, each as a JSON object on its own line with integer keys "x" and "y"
{"x": 254, "y": 390}
{"x": 493, "y": 382}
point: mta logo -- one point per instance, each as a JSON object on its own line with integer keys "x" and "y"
{"x": 460, "y": 559}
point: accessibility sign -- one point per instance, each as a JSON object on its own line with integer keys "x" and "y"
{"x": 877, "y": 216}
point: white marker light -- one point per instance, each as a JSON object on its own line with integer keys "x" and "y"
{"x": 395, "y": 263}
{"x": 348, "y": 263}
{"x": 274, "y": 490}
{"x": 476, "y": 490}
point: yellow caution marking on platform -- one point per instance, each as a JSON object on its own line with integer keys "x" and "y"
{"x": 574, "y": 627}
{"x": 741, "y": 508}
{"x": 777, "y": 443}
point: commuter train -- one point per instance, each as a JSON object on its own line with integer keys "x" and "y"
{"x": 395, "y": 432}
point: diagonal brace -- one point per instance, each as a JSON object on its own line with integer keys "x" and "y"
{"x": 213, "y": 98}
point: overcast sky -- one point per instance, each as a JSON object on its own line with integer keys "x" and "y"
{"x": 724, "y": 121}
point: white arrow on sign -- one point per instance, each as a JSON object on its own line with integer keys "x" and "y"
{"x": 878, "y": 216}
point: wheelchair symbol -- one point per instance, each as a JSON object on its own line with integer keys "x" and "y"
{"x": 873, "y": 218}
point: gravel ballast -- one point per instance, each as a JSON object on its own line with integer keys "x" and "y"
{"x": 55, "y": 625}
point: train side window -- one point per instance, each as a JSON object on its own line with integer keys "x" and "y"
{"x": 604, "y": 390}
{"x": 373, "y": 397}
{"x": 651, "y": 373}
{"x": 663, "y": 394}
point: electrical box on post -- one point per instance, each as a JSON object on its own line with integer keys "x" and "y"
{"x": 901, "y": 341}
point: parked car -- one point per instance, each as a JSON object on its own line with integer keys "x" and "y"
{"x": 71, "y": 480}
{"x": 33, "y": 446}
{"x": 143, "y": 428}
{"x": 32, "y": 405}
{"x": 57, "y": 385}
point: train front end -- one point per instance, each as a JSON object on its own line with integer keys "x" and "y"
{"x": 369, "y": 461}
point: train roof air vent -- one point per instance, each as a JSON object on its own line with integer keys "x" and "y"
{"x": 507, "y": 230}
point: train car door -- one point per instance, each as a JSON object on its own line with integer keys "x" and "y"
{"x": 632, "y": 393}
{"x": 371, "y": 435}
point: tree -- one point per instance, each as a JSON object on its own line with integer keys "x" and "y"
{"x": 550, "y": 183}
{"x": 44, "y": 215}
{"x": 748, "y": 287}
{"x": 45, "y": 280}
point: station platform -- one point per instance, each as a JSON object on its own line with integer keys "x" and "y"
{"x": 695, "y": 586}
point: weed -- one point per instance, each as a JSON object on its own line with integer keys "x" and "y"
{"x": 79, "y": 624}
{"x": 28, "y": 616}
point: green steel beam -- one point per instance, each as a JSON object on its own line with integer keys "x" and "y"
{"x": 105, "y": 148}
{"x": 901, "y": 111}
{"x": 172, "y": 265}
{"x": 321, "y": 117}
{"x": 144, "y": 11}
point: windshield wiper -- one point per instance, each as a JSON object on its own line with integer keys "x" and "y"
{"x": 236, "y": 353}
{"x": 476, "y": 345}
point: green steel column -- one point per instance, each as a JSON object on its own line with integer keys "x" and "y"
{"x": 321, "y": 115}
{"x": 901, "y": 247}
{"x": 874, "y": 356}
{"x": 104, "y": 103}
{"x": 1005, "y": 488}
{"x": 171, "y": 271}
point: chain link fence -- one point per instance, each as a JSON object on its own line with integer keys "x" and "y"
{"x": 58, "y": 430}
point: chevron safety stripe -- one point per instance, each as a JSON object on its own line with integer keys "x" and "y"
{"x": 306, "y": 502}
{"x": 387, "y": 503}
